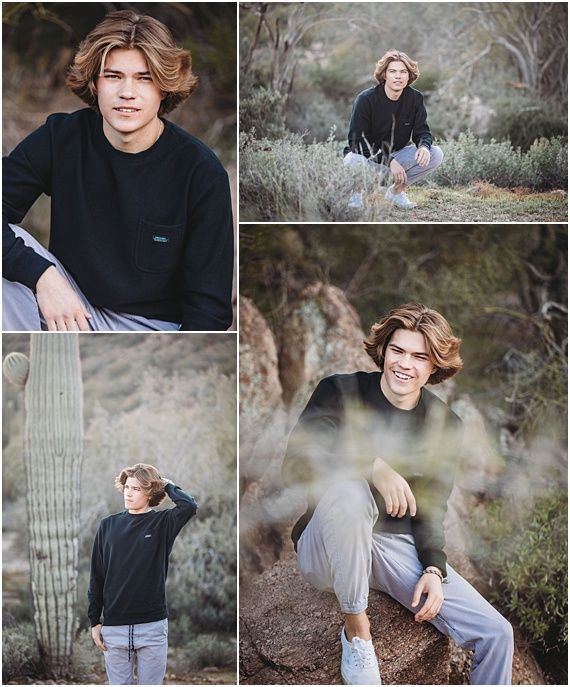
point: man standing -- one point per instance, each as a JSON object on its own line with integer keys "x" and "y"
{"x": 377, "y": 452}
{"x": 141, "y": 233}
{"x": 129, "y": 565}
{"x": 384, "y": 119}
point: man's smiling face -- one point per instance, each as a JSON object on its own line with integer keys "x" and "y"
{"x": 407, "y": 368}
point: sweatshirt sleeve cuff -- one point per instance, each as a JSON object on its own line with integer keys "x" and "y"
{"x": 36, "y": 270}
{"x": 28, "y": 268}
{"x": 434, "y": 557}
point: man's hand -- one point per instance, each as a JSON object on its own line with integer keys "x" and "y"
{"x": 423, "y": 156}
{"x": 96, "y": 634}
{"x": 431, "y": 586}
{"x": 394, "y": 489}
{"x": 399, "y": 173}
{"x": 59, "y": 304}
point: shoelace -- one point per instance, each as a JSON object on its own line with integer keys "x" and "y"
{"x": 363, "y": 654}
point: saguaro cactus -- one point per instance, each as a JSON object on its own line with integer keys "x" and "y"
{"x": 53, "y": 451}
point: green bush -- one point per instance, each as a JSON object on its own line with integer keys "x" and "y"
{"x": 263, "y": 112}
{"x": 526, "y": 559}
{"x": 210, "y": 650}
{"x": 202, "y": 577}
{"x": 287, "y": 180}
{"x": 469, "y": 159}
{"x": 20, "y": 656}
{"x": 525, "y": 125}
{"x": 546, "y": 164}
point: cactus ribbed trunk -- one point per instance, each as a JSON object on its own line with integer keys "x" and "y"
{"x": 53, "y": 451}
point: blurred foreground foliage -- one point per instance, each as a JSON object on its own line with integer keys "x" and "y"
{"x": 165, "y": 400}
{"x": 525, "y": 556}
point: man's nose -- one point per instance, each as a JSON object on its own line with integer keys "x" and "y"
{"x": 406, "y": 360}
{"x": 128, "y": 89}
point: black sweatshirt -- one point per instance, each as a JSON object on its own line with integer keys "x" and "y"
{"x": 387, "y": 125}
{"x": 421, "y": 444}
{"x": 129, "y": 562}
{"x": 147, "y": 233}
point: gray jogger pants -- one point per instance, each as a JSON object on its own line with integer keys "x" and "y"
{"x": 339, "y": 552}
{"x": 147, "y": 643}
{"x": 406, "y": 157}
{"x": 20, "y": 309}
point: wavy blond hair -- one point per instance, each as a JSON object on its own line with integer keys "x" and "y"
{"x": 396, "y": 56}
{"x": 169, "y": 65}
{"x": 442, "y": 345}
{"x": 149, "y": 478}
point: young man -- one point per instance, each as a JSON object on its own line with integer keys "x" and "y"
{"x": 383, "y": 120}
{"x": 141, "y": 222}
{"x": 129, "y": 565}
{"x": 378, "y": 452}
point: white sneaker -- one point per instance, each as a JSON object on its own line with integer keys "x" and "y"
{"x": 355, "y": 200}
{"x": 359, "y": 665}
{"x": 400, "y": 200}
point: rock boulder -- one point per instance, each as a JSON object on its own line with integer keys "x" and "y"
{"x": 290, "y": 634}
{"x": 321, "y": 336}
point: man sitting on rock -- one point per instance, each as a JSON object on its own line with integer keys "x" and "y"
{"x": 384, "y": 118}
{"x": 377, "y": 452}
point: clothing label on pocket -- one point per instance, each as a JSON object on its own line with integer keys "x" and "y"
{"x": 160, "y": 239}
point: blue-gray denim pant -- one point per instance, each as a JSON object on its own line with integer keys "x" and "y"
{"x": 145, "y": 643}
{"x": 339, "y": 552}
{"x": 406, "y": 157}
{"x": 20, "y": 311}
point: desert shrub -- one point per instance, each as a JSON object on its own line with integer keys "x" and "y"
{"x": 206, "y": 650}
{"x": 469, "y": 159}
{"x": 523, "y": 126}
{"x": 545, "y": 165}
{"x": 312, "y": 116}
{"x": 20, "y": 656}
{"x": 86, "y": 658}
{"x": 536, "y": 384}
{"x": 290, "y": 180}
{"x": 525, "y": 557}
{"x": 263, "y": 112}
{"x": 203, "y": 571}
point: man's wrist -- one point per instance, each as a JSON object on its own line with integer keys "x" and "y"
{"x": 433, "y": 570}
